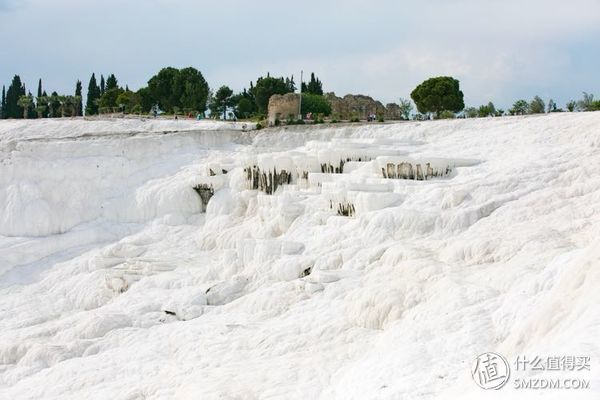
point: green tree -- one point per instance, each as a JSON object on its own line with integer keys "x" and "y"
{"x": 68, "y": 106}
{"x": 102, "y": 85}
{"x": 3, "y": 104}
{"x": 219, "y": 103}
{"x": 39, "y": 90}
{"x": 586, "y": 103}
{"x": 406, "y": 108}
{"x": 552, "y": 106}
{"x": 537, "y": 105}
{"x": 571, "y": 105}
{"x": 128, "y": 100}
{"x": 471, "y": 112}
{"x": 93, "y": 95}
{"x": 31, "y": 109}
{"x": 291, "y": 85}
{"x": 245, "y": 108}
{"x": 146, "y": 100}
{"x": 111, "y": 82}
{"x": 62, "y": 105}
{"x": 520, "y": 107}
{"x": 79, "y": 104}
{"x": 13, "y": 94}
{"x": 45, "y": 102}
{"x": 446, "y": 114}
{"x": 184, "y": 88}
{"x": 108, "y": 101}
{"x": 192, "y": 90}
{"x": 316, "y": 104}
{"x": 54, "y": 104}
{"x": 487, "y": 110}
{"x": 243, "y": 104}
{"x": 595, "y": 106}
{"x": 265, "y": 88}
{"x": 162, "y": 88}
{"x": 25, "y": 102}
{"x": 41, "y": 107}
{"x": 438, "y": 94}
{"x": 314, "y": 86}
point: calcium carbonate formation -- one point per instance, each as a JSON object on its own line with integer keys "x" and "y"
{"x": 345, "y": 171}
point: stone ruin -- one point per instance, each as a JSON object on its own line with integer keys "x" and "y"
{"x": 361, "y": 106}
{"x": 283, "y": 107}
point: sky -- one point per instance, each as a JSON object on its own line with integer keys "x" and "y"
{"x": 500, "y": 50}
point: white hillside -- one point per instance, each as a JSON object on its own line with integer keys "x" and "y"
{"x": 346, "y": 262}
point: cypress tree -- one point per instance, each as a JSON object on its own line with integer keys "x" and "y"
{"x": 111, "y": 82}
{"x": 102, "y": 85}
{"x": 3, "y": 107}
{"x": 314, "y": 86}
{"x": 93, "y": 94}
{"x": 39, "y": 92}
{"x": 46, "y": 113}
{"x": 78, "y": 99}
{"x": 54, "y": 103}
{"x": 31, "y": 114}
{"x": 14, "y": 92}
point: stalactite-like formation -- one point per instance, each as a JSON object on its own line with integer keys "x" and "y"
{"x": 205, "y": 191}
{"x": 406, "y": 170}
{"x": 328, "y": 168}
{"x": 345, "y": 209}
{"x": 267, "y": 182}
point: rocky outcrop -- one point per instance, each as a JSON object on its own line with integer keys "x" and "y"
{"x": 283, "y": 107}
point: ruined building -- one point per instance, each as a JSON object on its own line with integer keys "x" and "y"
{"x": 284, "y": 107}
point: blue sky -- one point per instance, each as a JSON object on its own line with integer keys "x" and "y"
{"x": 499, "y": 50}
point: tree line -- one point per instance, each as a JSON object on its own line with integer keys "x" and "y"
{"x": 18, "y": 102}
{"x": 441, "y": 97}
{"x": 171, "y": 90}
{"x": 535, "y": 106}
{"x": 185, "y": 91}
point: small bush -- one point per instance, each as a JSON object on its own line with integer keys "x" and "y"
{"x": 380, "y": 119}
{"x": 354, "y": 119}
{"x": 446, "y": 115}
{"x": 334, "y": 121}
{"x": 277, "y": 122}
{"x": 258, "y": 126}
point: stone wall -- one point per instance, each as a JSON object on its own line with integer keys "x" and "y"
{"x": 392, "y": 111}
{"x": 283, "y": 107}
{"x": 342, "y": 108}
{"x": 360, "y": 106}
